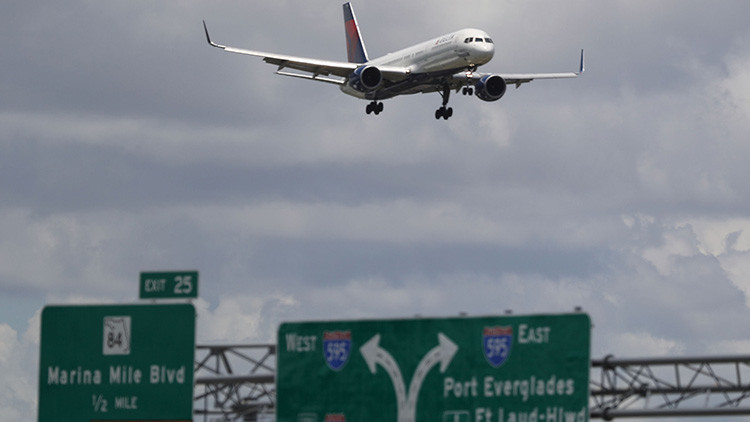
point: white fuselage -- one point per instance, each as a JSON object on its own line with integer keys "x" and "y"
{"x": 450, "y": 53}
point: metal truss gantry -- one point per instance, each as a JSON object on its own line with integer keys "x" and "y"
{"x": 237, "y": 383}
{"x": 669, "y": 387}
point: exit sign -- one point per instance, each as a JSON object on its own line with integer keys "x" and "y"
{"x": 169, "y": 285}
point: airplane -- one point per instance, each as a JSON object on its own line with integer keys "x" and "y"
{"x": 442, "y": 64}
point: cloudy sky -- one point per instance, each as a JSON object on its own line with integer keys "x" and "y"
{"x": 128, "y": 144}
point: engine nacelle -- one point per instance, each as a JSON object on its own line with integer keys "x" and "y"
{"x": 365, "y": 78}
{"x": 490, "y": 87}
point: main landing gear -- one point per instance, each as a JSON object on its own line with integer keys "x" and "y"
{"x": 444, "y": 112}
{"x": 374, "y": 107}
{"x": 447, "y": 112}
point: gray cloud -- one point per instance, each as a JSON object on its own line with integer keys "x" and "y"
{"x": 129, "y": 144}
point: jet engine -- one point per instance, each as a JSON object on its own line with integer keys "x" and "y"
{"x": 490, "y": 87}
{"x": 365, "y": 78}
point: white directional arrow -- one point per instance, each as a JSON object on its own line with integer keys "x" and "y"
{"x": 407, "y": 404}
{"x": 374, "y": 355}
{"x": 443, "y": 354}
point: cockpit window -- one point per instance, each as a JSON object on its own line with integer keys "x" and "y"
{"x": 477, "y": 39}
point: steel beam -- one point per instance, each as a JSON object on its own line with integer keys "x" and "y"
{"x": 669, "y": 387}
{"x": 236, "y": 382}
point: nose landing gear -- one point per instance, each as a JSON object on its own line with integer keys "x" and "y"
{"x": 469, "y": 89}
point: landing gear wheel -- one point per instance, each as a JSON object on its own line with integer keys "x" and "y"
{"x": 374, "y": 107}
{"x": 443, "y": 112}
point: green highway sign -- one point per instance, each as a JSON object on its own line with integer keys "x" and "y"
{"x": 486, "y": 369}
{"x": 169, "y": 285}
{"x": 122, "y": 362}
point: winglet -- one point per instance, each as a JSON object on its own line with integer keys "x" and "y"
{"x": 208, "y": 38}
{"x": 582, "y": 68}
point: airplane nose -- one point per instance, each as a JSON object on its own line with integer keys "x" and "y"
{"x": 490, "y": 51}
{"x": 484, "y": 52}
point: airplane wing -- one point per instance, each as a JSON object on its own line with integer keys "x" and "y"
{"x": 318, "y": 70}
{"x": 521, "y": 78}
{"x": 517, "y": 79}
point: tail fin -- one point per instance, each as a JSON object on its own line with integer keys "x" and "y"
{"x": 355, "y": 48}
